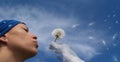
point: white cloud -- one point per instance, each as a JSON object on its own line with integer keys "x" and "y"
{"x": 85, "y": 51}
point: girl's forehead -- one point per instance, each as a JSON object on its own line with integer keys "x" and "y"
{"x": 21, "y": 25}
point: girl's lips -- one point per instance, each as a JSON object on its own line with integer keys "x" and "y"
{"x": 36, "y": 44}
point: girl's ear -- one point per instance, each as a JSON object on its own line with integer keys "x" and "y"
{"x": 3, "y": 39}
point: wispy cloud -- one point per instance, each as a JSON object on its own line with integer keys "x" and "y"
{"x": 86, "y": 52}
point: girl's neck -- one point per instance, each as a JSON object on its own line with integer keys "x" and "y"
{"x": 8, "y": 56}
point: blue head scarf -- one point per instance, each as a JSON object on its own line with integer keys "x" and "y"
{"x": 6, "y": 25}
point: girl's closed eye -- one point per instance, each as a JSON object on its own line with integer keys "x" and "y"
{"x": 26, "y": 29}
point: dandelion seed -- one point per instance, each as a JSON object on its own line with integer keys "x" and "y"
{"x": 114, "y": 36}
{"x": 104, "y": 42}
{"x": 74, "y": 26}
{"x": 91, "y": 37}
{"x": 116, "y": 22}
{"x": 91, "y": 24}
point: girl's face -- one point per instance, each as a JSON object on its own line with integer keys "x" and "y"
{"x": 22, "y": 42}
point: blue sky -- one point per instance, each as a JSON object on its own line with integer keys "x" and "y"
{"x": 91, "y": 26}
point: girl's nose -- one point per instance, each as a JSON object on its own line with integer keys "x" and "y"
{"x": 34, "y": 36}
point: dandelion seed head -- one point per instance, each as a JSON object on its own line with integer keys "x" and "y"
{"x": 58, "y": 33}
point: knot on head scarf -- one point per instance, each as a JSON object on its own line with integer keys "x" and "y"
{"x": 6, "y": 25}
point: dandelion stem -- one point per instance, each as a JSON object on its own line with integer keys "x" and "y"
{"x": 56, "y": 38}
